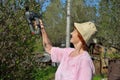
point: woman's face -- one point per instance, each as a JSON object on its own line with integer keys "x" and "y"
{"x": 74, "y": 37}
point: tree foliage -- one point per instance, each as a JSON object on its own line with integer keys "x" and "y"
{"x": 81, "y": 13}
{"x": 16, "y": 43}
{"x": 109, "y": 23}
{"x": 54, "y": 19}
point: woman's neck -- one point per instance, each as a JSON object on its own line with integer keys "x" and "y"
{"x": 78, "y": 46}
{"x": 78, "y": 50}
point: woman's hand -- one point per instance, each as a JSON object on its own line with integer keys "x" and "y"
{"x": 41, "y": 24}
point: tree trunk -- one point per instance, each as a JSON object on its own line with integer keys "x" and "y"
{"x": 68, "y": 25}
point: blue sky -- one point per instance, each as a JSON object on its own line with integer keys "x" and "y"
{"x": 93, "y": 3}
{"x": 90, "y": 3}
{"x": 48, "y": 2}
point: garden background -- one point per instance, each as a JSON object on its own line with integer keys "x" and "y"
{"x": 19, "y": 48}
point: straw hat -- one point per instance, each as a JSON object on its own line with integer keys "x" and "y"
{"x": 86, "y": 30}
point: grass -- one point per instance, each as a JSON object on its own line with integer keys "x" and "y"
{"x": 97, "y": 77}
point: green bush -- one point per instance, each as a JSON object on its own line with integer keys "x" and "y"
{"x": 16, "y": 44}
{"x": 47, "y": 73}
{"x": 97, "y": 77}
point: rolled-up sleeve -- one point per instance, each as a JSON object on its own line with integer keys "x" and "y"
{"x": 57, "y": 54}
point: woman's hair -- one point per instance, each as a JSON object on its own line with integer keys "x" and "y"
{"x": 84, "y": 45}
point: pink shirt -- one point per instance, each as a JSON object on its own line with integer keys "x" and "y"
{"x": 72, "y": 68}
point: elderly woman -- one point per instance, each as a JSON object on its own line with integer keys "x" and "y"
{"x": 75, "y": 63}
